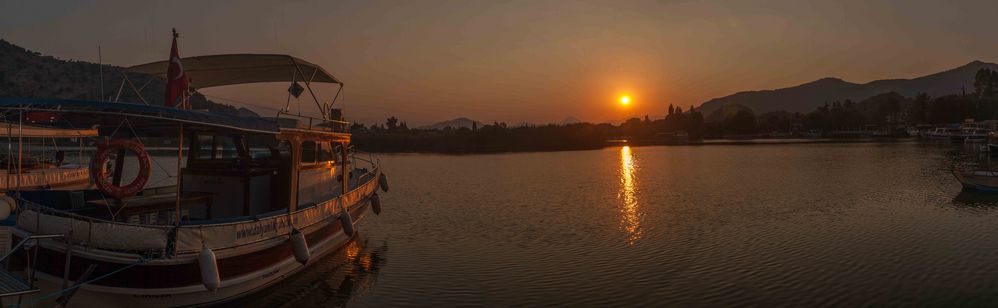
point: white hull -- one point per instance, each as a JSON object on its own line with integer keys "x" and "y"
{"x": 193, "y": 295}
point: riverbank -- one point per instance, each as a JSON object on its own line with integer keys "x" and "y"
{"x": 621, "y": 142}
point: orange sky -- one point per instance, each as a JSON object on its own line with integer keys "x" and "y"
{"x": 530, "y": 61}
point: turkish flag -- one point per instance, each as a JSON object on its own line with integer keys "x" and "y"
{"x": 176, "y": 80}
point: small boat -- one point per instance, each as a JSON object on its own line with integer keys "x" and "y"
{"x": 250, "y": 201}
{"x": 943, "y": 133}
{"x": 982, "y": 180}
{"x": 42, "y": 170}
{"x": 975, "y": 135}
{"x": 992, "y": 143}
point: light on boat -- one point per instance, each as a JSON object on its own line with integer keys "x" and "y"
{"x": 7, "y": 206}
{"x": 300, "y": 246}
{"x": 209, "y": 269}
{"x": 347, "y": 222}
{"x": 376, "y": 204}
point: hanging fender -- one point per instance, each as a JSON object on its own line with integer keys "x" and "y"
{"x": 383, "y": 182}
{"x": 346, "y": 221}
{"x": 376, "y": 204}
{"x": 99, "y": 172}
{"x": 299, "y": 246}
{"x": 209, "y": 269}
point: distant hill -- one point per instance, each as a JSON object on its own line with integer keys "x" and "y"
{"x": 455, "y": 123}
{"x": 570, "y": 120}
{"x": 28, "y": 74}
{"x": 808, "y": 96}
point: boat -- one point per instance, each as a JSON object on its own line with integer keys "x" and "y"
{"x": 943, "y": 133}
{"x": 973, "y": 131}
{"x": 972, "y": 136}
{"x": 991, "y": 143}
{"x": 47, "y": 168}
{"x": 981, "y": 180}
{"x": 252, "y": 200}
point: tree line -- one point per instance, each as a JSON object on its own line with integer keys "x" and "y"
{"x": 395, "y": 136}
{"x": 889, "y": 112}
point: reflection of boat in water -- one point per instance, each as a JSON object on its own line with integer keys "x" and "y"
{"x": 333, "y": 282}
{"x": 41, "y": 170}
{"x": 982, "y": 180}
{"x": 255, "y": 201}
{"x": 976, "y": 199}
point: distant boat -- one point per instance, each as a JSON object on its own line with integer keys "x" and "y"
{"x": 942, "y": 133}
{"x": 982, "y": 180}
{"x": 42, "y": 170}
{"x": 679, "y": 138}
{"x": 971, "y": 136}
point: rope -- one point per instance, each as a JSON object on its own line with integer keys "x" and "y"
{"x": 78, "y": 284}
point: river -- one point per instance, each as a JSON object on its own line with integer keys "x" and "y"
{"x": 783, "y": 225}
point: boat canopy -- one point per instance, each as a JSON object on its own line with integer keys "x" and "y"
{"x": 76, "y": 114}
{"x": 231, "y": 69}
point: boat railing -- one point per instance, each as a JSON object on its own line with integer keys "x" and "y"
{"x": 313, "y": 123}
{"x": 93, "y": 232}
{"x": 163, "y": 240}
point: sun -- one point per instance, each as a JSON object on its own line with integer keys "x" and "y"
{"x": 625, "y": 100}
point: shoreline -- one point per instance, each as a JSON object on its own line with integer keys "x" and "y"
{"x": 709, "y": 142}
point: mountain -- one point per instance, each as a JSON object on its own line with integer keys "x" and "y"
{"x": 569, "y": 120}
{"x": 28, "y": 74}
{"x": 455, "y": 123}
{"x": 808, "y": 96}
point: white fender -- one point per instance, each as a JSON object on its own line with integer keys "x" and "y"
{"x": 7, "y": 206}
{"x": 300, "y": 246}
{"x": 209, "y": 269}
{"x": 383, "y": 182}
{"x": 376, "y": 204}
{"x": 347, "y": 222}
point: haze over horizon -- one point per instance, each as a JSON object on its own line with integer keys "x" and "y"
{"x": 536, "y": 62}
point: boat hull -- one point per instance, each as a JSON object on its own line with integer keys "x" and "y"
{"x": 177, "y": 283}
{"x": 982, "y": 182}
{"x": 250, "y": 256}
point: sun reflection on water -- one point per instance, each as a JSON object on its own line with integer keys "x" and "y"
{"x": 630, "y": 218}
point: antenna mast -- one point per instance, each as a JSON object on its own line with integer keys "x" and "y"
{"x": 100, "y": 64}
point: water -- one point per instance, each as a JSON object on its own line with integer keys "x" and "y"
{"x": 784, "y": 225}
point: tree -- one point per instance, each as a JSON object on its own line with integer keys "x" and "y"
{"x": 985, "y": 83}
{"x": 671, "y": 109}
{"x": 742, "y": 122}
{"x": 392, "y": 124}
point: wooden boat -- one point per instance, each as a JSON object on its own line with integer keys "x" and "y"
{"x": 982, "y": 180}
{"x": 254, "y": 201}
{"x": 45, "y": 170}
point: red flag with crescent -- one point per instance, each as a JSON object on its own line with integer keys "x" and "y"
{"x": 176, "y": 80}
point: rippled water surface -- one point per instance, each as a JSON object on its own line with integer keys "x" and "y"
{"x": 812, "y": 224}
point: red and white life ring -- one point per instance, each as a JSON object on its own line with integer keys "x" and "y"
{"x": 99, "y": 172}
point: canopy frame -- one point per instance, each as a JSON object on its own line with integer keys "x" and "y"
{"x": 232, "y": 69}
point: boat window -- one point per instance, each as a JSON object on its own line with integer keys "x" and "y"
{"x": 325, "y": 153}
{"x": 308, "y": 152}
{"x": 204, "y": 146}
{"x": 216, "y": 147}
{"x": 265, "y": 147}
{"x": 225, "y": 148}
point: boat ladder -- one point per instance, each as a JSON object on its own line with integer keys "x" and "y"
{"x": 11, "y": 284}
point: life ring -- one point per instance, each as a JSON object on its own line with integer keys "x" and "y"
{"x": 98, "y": 168}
